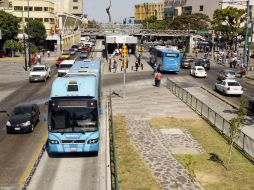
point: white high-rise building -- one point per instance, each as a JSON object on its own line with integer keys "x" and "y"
{"x": 74, "y": 7}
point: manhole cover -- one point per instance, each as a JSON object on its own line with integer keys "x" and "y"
{"x": 172, "y": 131}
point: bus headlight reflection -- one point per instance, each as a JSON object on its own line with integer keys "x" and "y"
{"x": 53, "y": 141}
{"x": 92, "y": 141}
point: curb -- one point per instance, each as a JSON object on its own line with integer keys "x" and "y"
{"x": 250, "y": 83}
{"x": 222, "y": 99}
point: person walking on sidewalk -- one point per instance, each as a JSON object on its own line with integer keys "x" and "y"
{"x": 115, "y": 65}
{"x": 157, "y": 78}
{"x": 48, "y": 53}
{"x": 136, "y": 65}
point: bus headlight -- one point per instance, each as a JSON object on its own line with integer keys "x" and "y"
{"x": 92, "y": 141}
{"x": 53, "y": 141}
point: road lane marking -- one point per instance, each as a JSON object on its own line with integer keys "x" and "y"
{"x": 33, "y": 159}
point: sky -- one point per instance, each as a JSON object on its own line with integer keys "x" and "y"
{"x": 96, "y": 9}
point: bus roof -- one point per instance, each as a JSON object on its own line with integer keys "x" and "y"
{"x": 85, "y": 67}
{"x": 77, "y": 86}
{"x": 165, "y": 49}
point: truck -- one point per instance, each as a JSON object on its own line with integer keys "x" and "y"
{"x": 39, "y": 73}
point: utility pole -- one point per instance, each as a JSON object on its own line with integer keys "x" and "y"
{"x": 24, "y": 39}
{"x": 245, "y": 58}
{"x": 28, "y": 18}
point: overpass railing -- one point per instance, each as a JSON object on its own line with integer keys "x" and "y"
{"x": 244, "y": 143}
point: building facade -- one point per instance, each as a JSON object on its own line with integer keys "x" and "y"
{"x": 41, "y": 10}
{"x": 173, "y": 8}
{"x": 74, "y": 7}
{"x": 146, "y": 10}
{"x": 208, "y": 7}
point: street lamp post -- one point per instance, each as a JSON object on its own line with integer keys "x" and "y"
{"x": 245, "y": 59}
{"x": 28, "y": 18}
{"x": 24, "y": 39}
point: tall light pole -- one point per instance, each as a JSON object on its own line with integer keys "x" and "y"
{"x": 28, "y": 18}
{"x": 24, "y": 38}
{"x": 245, "y": 59}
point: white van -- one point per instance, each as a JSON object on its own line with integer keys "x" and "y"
{"x": 64, "y": 67}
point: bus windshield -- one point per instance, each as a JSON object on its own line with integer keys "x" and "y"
{"x": 172, "y": 55}
{"x": 73, "y": 119}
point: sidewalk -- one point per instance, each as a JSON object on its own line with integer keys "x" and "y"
{"x": 142, "y": 102}
{"x": 131, "y": 65}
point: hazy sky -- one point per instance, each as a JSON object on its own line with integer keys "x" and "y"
{"x": 96, "y": 9}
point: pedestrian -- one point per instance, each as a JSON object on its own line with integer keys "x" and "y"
{"x": 48, "y": 53}
{"x": 139, "y": 59}
{"x": 242, "y": 71}
{"x": 158, "y": 77}
{"x": 115, "y": 65}
{"x": 38, "y": 57}
{"x": 136, "y": 65}
{"x": 129, "y": 51}
{"x": 43, "y": 52}
{"x": 154, "y": 68}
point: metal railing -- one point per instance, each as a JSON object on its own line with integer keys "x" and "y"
{"x": 244, "y": 143}
{"x": 113, "y": 157}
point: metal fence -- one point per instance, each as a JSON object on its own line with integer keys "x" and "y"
{"x": 113, "y": 157}
{"x": 244, "y": 142}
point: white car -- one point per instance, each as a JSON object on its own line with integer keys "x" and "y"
{"x": 39, "y": 73}
{"x": 64, "y": 67}
{"x": 229, "y": 86}
{"x": 198, "y": 71}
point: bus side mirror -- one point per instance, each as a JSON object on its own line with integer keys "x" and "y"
{"x": 45, "y": 117}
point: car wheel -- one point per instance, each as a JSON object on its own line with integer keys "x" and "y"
{"x": 215, "y": 88}
{"x": 224, "y": 93}
{"x": 32, "y": 128}
{"x": 8, "y": 131}
{"x": 45, "y": 79}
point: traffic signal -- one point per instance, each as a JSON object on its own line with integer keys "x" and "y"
{"x": 124, "y": 50}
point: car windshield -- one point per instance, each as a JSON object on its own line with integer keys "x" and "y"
{"x": 21, "y": 110}
{"x": 200, "y": 69}
{"x": 75, "y": 46}
{"x": 233, "y": 84}
{"x": 230, "y": 73}
{"x": 71, "y": 49}
{"x": 64, "y": 66}
{"x": 38, "y": 69}
{"x": 73, "y": 119}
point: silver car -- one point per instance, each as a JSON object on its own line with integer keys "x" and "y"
{"x": 226, "y": 74}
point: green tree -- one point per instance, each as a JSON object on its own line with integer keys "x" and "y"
{"x": 229, "y": 21}
{"x": 236, "y": 124}
{"x": 9, "y": 25}
{"x": 37, "y": 32}
{"x": 13, "y": 46}
{"x": 197, "y": 21}
{"x": 153, "y": 23}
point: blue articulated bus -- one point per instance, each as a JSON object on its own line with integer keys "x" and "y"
{"x": 73, "y": 111}
{"x": 166, "y": 59}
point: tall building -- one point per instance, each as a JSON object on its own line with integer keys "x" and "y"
{"x": 208, "y": 7}
{"x": 42, "y": 10}
{"x": 146, "y": 10}
{"x": 173, "y": 8}
{"x": 74, "y": 7}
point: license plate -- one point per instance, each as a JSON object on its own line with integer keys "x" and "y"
{"x": 73, "y": 149}
{"x": 17, "y": 128}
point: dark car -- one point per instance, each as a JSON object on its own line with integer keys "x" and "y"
{"x": 226, "y": 74}
{"x": 23, "y": 118}
{"x": 186, "y": 63}
{"x": 204, "y": 63}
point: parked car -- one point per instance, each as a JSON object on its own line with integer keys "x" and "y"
{"x": 64, "y": 67}
{"x": 226, "y": 74}
{"x": 229, "y": 86}
{"x": 66, "y": 54}
{"x": 203, "y": 62}
{"x": 72, "y": 51}
{"x": 23, "y": 118}
{"x": 188, "y": 57}
{"x": 59, "y": 60}
{"x": 83, "y": 55}
{"x": 186, "y": 63}
{"x": 198, "y": 71}
{"x": 39, "y": 73}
